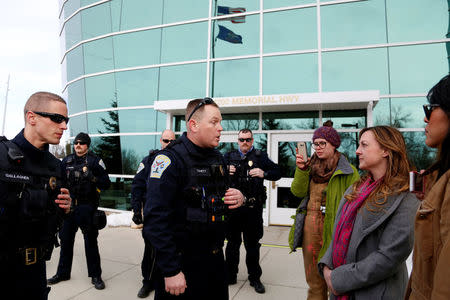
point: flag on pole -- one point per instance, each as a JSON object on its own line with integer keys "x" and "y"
{"x": 229, "y": 36}
{"x": 225, "y": 10}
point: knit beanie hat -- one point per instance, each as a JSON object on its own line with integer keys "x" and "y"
{"x": 328, "y": 133}
{"x": 84, "y": 138}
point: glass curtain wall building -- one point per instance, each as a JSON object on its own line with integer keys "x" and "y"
{"x": 124, "y": 59}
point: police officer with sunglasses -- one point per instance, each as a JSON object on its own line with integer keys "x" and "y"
{"x": 32, "y": 200}
{"x": 138, "y": 196}
{"x": 86, "y": 175}
{"x": 248, "y": 168}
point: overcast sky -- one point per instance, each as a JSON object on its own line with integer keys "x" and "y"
{"x": 30, "y": 52}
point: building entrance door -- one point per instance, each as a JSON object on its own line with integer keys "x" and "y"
{"x": 282, "y": 151}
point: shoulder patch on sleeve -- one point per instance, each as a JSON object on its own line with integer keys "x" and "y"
{"x": 102, "y": 164}
{"x": 140, "y": 168}
{"x": 160, "y": 163}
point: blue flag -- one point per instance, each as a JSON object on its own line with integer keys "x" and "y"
{"x": 229, "y": 36}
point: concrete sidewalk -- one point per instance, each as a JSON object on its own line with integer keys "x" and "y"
{"x": 121, "y": 254}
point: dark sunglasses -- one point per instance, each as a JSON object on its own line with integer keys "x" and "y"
{"x": 81, "y": 143}
{"x": 204, "y": 101}
{"x": 57, "y": 118}
{"x": 167, "y": 141}
{"x": 248, "y": 140}
{"x": 428, "y": 109}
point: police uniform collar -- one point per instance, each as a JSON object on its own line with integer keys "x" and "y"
{"x": 193, "y": 148}
{"x": 245, "y": 154}
{"x": 27, "y": 147}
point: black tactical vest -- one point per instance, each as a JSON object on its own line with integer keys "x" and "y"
{"x": 29, "y": 217}
{"x": 79, "y": 179}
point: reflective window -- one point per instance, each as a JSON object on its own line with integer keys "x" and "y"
{"x": 407, "y": 112}
{"x": 349, "y": 144}
{"x": 103, "y": 122}
{"x": 135, "y": 148}
{"x": 138, "y": 87}
{"x": 87, "y": 2}
{"x": 285, "y": 198}
{"x": 70, "y": 7}
{"x": 161, "y": 121}
{"x": 348, "y": 119}
{"x": 286, "y": 157}
{"x": 277, "y": 3}
{"x": 96, "y": 20}
{"x": 78, "y": 124}
{"x": 75, "y": 63}
{"x": 137, "y": 49}
{"x": 179, "y": 124}
{"x": 290, "y": 120}
{"x": 290, "y": 74}
{"x": 352, "y": 24}
{"x": 137, "y": 120}
{"x": 415, "y": 69}
{"x": 100, "y": 92}
{"x": 182, "y": 82}
{"x": 75, "y": 97}
{"x": 235, "y": 77}
{"x": 236, "y": 122}
{"x": 281, "y": 30}
{"x": 184, "y": 42}
{"x": 72, "y": 31}
{"x": 381, "y": 113}
{"x": 355, "y": 70}
{"x": 235, "y": 39}
{"x": 136, "y": 14}
{"x": 118, "y": 196}
{"x": 249, "y": 5}
{"x": 175, "y": 10}
{"x": 98, "y": 56}
{"x": 108, "y": 149}
{"x": 415, "y": 20}
{"x": 419, "y": 153}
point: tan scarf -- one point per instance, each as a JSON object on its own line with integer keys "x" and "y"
{"x": 323, "y": 169}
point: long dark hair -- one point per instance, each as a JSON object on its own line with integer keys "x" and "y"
{"x": 440, "y": 94}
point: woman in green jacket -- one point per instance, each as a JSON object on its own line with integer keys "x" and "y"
{"x": 321, "y": 180}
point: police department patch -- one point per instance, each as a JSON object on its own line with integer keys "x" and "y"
{"x": 140, "y": 168}
{"x": 160, "y": 163}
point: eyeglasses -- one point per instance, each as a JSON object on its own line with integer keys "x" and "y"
{"x": 81, "y": 143}
{"x": 428, "y": 109}
{"x": 204, "y": 101}
{"x": 57, "y": 118}
{"x": 248, "y": 140}
{"x": 167, "y": 141}
{"x": 319, "y": 145}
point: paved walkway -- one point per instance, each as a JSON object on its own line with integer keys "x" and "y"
{"x": 121, "y": 253}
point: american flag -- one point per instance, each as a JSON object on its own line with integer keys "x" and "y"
{"x": 225, "y": 10}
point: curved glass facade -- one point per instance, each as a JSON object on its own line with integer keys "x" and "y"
{"x": 120, "y": 56}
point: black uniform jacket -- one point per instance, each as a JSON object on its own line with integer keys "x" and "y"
{"x": 139, "y": 184}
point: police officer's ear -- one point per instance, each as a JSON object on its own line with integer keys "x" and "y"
{"x": 30, "y": 117}
{"x": 193, "y": 125}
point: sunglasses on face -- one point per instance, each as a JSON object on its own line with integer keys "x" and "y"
{"x": 81, "y": 143}
{"x": 204, "y": 101}
{"x": 57, "y": 118}
{"x": 428, "y": 109}
{"x": 319, "y": 145}
{"x": 248, "y": 140}
{"x": 167, "y": 141}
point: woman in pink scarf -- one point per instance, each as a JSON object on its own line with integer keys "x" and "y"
{"x": 373, "y": 233}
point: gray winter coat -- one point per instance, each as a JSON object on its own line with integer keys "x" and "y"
{"x": 379, "y": 246}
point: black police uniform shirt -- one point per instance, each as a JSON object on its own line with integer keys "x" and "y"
{"x": 95, "y": 166}
{"x": 139, "y": 184}
{"x": 165, "y": 217}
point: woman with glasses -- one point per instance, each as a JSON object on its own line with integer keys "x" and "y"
{"x": 373, "y": 231}
{"x": 321, "y": 181}
{"x": 430, "y": 275}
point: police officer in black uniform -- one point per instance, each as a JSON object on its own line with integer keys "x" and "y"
{"x": 32, "y": 202}
{"x": 187, "y": 204}
{"x": 248, "y": 169}
{"x": 85, "y": 174}
{"x": 138, "y": 192}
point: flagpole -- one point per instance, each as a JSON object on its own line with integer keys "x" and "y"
{"x": 213, "y": 51}
{"x": 6, "y": 103}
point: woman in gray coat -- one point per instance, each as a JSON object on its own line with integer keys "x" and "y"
{"x": 374, "y": 227}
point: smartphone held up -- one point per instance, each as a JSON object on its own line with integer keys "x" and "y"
{"x": 416, "y": 182}
{"x": 302, "y": 150}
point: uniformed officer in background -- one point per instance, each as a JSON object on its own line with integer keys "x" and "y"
{"x": 32, "y": 202}
{"x": 138, "y": 192}
{"x": 248, "y": 168}
{"x": 187, "y": 202}
{"x": 86, "y": 175}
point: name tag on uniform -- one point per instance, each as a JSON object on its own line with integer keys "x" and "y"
{"x": 159, "y": 165}
{"x": 8, "y": 176}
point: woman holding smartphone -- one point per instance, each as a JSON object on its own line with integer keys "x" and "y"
{"x": 373, "y": 232}
{"x": 431, "y": 259}
{"x": 321, "y": 181}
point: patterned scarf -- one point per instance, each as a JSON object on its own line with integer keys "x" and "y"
{"x": 323, "y": 169}
{"x": 345, "y": 224}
